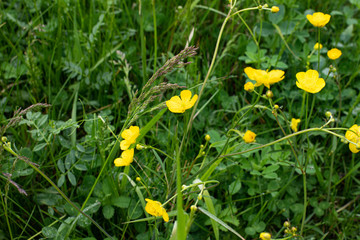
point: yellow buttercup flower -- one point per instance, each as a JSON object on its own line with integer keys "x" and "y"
{"x": 179, "y": 105}
{"x": 310, "y": 81}
{"x": 334, "y": 53}
{"x": 129, "y": 135}
{"x": 318, "y": 19}
{"x": 249, "y": 87}
{"x": 275, "y": 9}
{"x": 353, "y": 135}
{"x": 155, "y": 208}
{"x": 264, "y": 77}
{"x": 318, "y": 46}
{"x": 294, "y": 124}
{"x": 126, "y": 158}
{"x": 265, "y": 236}
{"x": 249, "y": 136}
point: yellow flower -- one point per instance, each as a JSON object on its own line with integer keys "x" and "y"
{"x": 310, "y": 81}
{"x": 129, "y": 136}
{"x": 249, "y": 136}
{"x": 353, "y": 135}
{"x": 177, "y": 105}
{"x": 318, "y": 46}
{"x": 126, "y": 158}
{"x": 294, "y": 124}
{"x": 274, "y": 9}
{"x": 249, "y": 87}
{"x": 318, "y": 19}
{"x": 155, "y": 208}
{"x": 265, "y": 236}
{"x": 264, "y": 77}
{"x": 334, "y": 53}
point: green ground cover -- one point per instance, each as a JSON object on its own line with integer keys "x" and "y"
{"x": 263, "y": 140}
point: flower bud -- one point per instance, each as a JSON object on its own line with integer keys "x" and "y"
{"x": 293, "y": 229}
{"x": 193, "y": 208}
{"x": 275, "y": 9}
{"x": 207, "y": 137}
{"x": 318, "y": 46}
{"x": 265, "y": 5}
{"x": 202, "y": 146}
{"x": 4, "y": 139}
{"x": 199, "y": 197}
{"x": 276, "y": 106}
{"x": 265, "y": 236}
{"x": 286, "y": 224}
{"x": 138, "y": 179}
{"x": 139, "y": 147}
{"x": 328, "y": 114}
{"x": 269, "y": 94}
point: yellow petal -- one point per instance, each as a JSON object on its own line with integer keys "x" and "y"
{"x": 250, "y": 72}
{"x": 276, "y": 76}
{"x": 126, "y": 133}
{"x": 311, "y": 74}
{"x": 124, "y": 145}
{"x": 165, "y": 215}
{"x": 175, "y": 105}
{"x": 353, "y": 148}
{"x": 191, "y": 103}
{"x": 185, "y": 95}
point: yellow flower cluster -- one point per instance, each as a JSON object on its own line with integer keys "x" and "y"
{"x": 264, "y": 77}
{"x": 353, "y": 135}
{"x": 155, "y": 208}
{"x": 179, "y": 105}
{"x": 129, "y": 135}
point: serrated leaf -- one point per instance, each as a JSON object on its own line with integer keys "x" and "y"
{"x": 72, "y": 178}
{"x": 108, "y": 211}
{"x": 39, "y": 147}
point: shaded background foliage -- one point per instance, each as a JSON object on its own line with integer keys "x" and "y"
{"x": 87, "y": 58}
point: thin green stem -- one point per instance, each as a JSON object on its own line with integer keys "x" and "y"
{"x": 319, "y": 50}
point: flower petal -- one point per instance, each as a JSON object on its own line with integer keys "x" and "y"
{"x": 185, "y": 95}
{"x": 175, "y": 105}
{"x": 124, "y": 144}
{"x": 192, "y": 102}
{"x": 353, "y": 148}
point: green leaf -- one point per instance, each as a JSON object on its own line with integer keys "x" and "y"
{"x": 121, "y": 202}
{"x": 213, "y": 217}
{"x": 81, "y": 167}
{"x": 39, "y": 147}
{"x": 61, "y": 165}
{"x": 71, "y": 178}
{"x": 149, "y": 125}
{"x": 108, "y": 211}
{"x": 271, "y": 169}
{"x": 61, "y": 181}
{"x": 49, "y": 232}
{"x": 235, "y": 187}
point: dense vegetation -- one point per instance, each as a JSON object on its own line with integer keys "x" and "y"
{"x": 78, "y": 77}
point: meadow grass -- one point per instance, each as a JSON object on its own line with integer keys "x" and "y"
{"x": 77, "y": 75}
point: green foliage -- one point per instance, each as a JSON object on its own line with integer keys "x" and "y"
{"x": 91, "y": 61}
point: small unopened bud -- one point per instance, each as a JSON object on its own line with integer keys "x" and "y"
{"x": 269, "y": 94}
{"x": 207, "y": 137}
{"x": 265, "y": 5}
{"x": 318, "y": 46}
{"x": 293, "y": 229}
{"x": 139, "y": 147}
{"x": 286, "y": 224}
{"x": 138, "y": 179}
{"x": 276, "y": 106}
{"x": 4, "y": 139}
{"x": 287, "y": 231}
{"x": 275, "y": 9}
{"x": 193, "y": 208}
{"x": 199, "y": 197}
{"x": 203, "y": 153}
{"x": 202, "y": 146}
{"x": 183, "y": 187}
{"x": 328, "y": 114}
